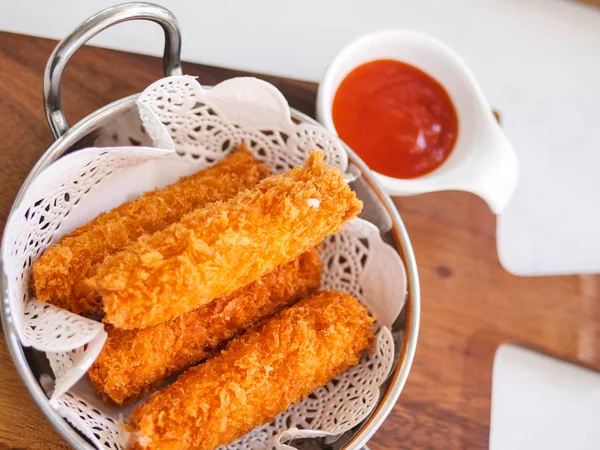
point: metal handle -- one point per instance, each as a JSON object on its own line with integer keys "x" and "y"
{"x": 90, "y": 28}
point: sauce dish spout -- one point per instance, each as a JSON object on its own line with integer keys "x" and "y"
{"x": 493, "y": 174}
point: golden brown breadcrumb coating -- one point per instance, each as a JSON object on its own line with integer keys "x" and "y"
{"x": 132, "y": 362}
{"x": 59, "y": 274}
{"x": 257, "y": 376}
{"x": 213, "y": 251}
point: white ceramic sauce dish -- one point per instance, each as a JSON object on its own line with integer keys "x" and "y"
{"x": 482, "y": 160}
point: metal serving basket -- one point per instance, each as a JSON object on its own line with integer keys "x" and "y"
{"x": 33, "y": 366}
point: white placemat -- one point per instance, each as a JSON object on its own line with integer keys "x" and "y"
{"x": 552, "y": 226}
{"x": 539, "y": 402}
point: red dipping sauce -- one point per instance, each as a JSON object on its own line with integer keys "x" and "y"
{"x": 396, "y": 117}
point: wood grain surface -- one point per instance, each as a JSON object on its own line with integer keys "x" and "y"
{"x": 595, "y": 3}
{"x": 470, "y": 305}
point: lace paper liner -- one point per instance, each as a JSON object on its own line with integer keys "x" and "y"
{"x": 196, "y": 127}
{"x": 46, "y": 212}
{"x": 207, "y": 124}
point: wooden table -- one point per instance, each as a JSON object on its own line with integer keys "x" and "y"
{"x": 470, "y": 305}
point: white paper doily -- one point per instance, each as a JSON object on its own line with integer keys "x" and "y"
{"x": 68, "y": 367}
{"x": 202, "y": 126}
{"x": 206, "y": 124}
{"x": 86, "y": 414}
{"x": 44, "y": 214}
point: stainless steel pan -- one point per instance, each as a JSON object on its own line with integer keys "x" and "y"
{"x": 32, "y": 366}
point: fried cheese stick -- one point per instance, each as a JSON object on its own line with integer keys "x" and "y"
{"x": 132, "y": 362}
{"x": 213, "y": 251}
{"x": 59, "y": 274}
{"x": 257, "y": 376}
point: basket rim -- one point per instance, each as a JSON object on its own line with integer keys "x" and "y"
{"x": 402, "y": 243}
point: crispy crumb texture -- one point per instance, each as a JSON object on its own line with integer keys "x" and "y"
{"x": 132, "y": 362}
{"x": 213, "y": 251}
{"x": 59, "y": 274}
{"x": 257, "y": 376}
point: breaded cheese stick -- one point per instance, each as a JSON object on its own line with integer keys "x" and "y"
{"x": 59, "y": 274}
{"x": 132, "y": 362}
{"x": 216, "y": 250}
{"x": 257, "y": 376}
